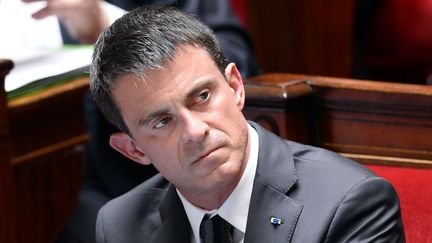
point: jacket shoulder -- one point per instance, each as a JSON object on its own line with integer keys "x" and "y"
{"x": 327, "y": 162}
{"x": 134, "y": 215}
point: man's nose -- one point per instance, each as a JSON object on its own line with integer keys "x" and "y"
{"x": 195, "y": 129}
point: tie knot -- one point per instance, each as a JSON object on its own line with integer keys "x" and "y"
{"x": 215, "y": 230}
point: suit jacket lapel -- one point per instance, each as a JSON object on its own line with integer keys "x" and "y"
{"x": 275, "y": 176}
{"x": 175, "y": 225}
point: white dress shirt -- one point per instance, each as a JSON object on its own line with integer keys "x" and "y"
{"x": 235, "y": 209}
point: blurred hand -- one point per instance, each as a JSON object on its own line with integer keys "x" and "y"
{"x": 84, "y": 19}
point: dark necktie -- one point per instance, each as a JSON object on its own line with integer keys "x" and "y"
{"x": 215, "y": 230}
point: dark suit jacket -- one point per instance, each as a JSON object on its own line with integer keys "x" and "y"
{"x": 321, "y": 197}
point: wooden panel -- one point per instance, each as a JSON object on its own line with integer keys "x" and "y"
{"x": 272, "y": 120}
{"x": 308, "y": 36}
{"x": 47, "y": 137}
{"x": 7, "y": 202}
{"x": 386, "y": 120}
{"x": 47, "y": 188}
{"x": 372, "y": 122}
{"x": 41, "y": 150}
{"x": 279, "y": 107}
{"x": 46, "y": 118}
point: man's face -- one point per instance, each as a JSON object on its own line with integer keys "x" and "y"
{"x": 186, "y": 120}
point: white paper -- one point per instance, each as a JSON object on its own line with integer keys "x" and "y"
{"x": 35, "y": 46}
{"x": 47, "y": 65}
{"x": 23, "y": 37}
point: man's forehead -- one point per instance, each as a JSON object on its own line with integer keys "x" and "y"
{"x": 188, "y": 61}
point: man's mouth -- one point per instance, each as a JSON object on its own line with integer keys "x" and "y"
{"x": 206, "y": 154}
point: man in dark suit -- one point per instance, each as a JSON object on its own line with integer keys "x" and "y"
{"x": 160, "y": 76}
{"x": 108, "y": 174}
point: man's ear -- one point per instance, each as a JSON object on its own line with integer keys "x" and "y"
{"x": 126, "y": 145}
{"x": 235, "y": 82}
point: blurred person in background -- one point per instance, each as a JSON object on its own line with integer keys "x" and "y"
{"x": 394, "y": 40}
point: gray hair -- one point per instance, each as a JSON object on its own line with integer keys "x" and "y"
{"x": 142, "y": 40}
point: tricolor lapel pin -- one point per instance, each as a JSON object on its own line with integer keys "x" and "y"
{"x": 276, "y": 221}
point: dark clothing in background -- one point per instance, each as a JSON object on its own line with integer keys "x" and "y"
{"x": 393, "y": 41}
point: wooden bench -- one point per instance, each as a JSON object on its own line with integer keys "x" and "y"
{"x": 41, "y": 149}
{"x": 386, "y": 126}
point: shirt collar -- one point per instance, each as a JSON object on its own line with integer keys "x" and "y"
{"x": 235, "y": 209}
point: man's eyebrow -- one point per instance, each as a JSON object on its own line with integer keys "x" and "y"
{"x": 145, "y": 121}
{"x": 201, "y": 85}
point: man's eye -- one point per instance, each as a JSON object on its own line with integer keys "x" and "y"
{"x": 204, "y": 95}
{"x": 162, "y": 122}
